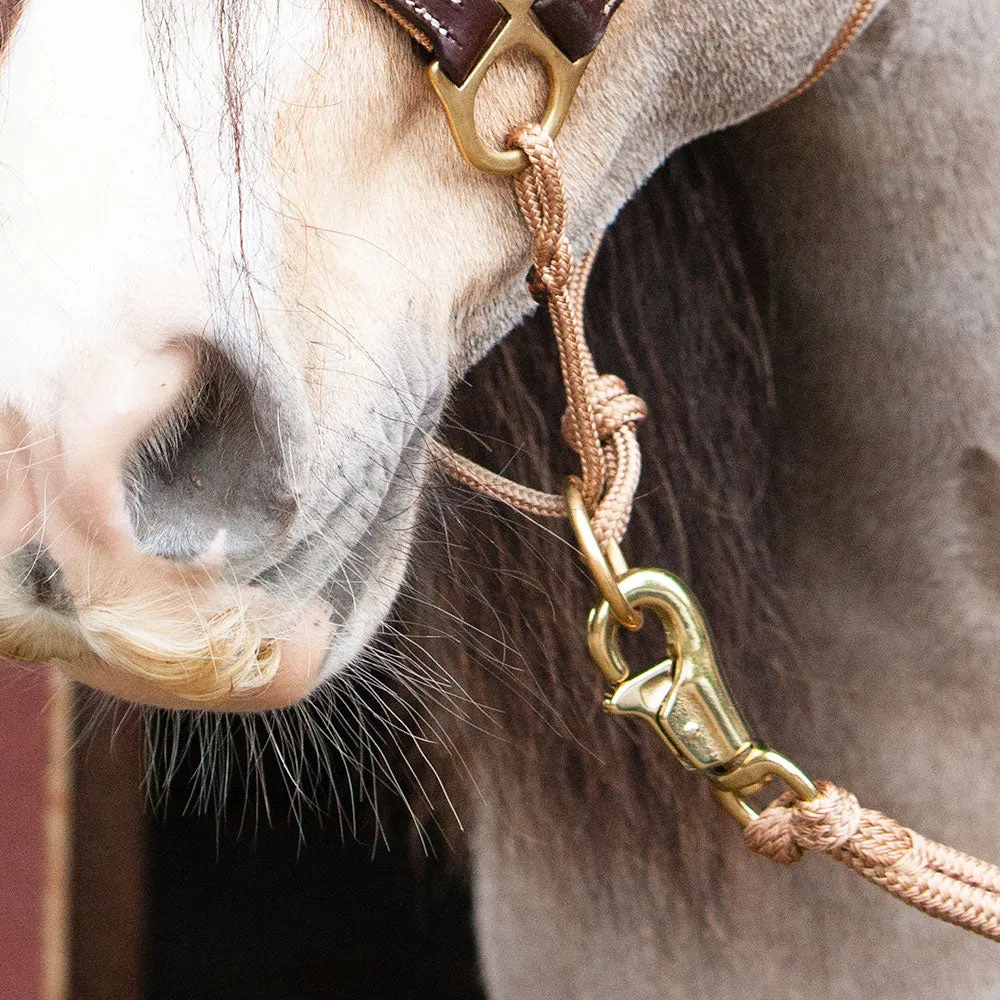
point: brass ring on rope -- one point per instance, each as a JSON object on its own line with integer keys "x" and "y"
{"x": 606, "y": 568}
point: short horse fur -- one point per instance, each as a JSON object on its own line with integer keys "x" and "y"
{"x": 239, "y": 248}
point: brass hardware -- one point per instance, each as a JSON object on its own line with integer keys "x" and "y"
{"x": 684, "y": 697}
{"x": 750, "y": 775}
{"x": 520, "y": 31}
{"x": 606, "y": 565}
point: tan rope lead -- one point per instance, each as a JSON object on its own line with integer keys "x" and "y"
{"x": 856, "y": 21}
{"x": 601, "y": 415}
{"x": 933, "y": 878}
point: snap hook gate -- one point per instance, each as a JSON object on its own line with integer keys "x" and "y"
{"x": 683, "y": 697}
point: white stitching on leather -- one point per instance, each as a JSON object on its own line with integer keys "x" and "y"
{"x": 426, "y": 15}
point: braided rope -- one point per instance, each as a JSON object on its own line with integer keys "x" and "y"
{"x": 856, "y": 21}
{"x": 601, "y": 416}
{"x": 935, "y": 879}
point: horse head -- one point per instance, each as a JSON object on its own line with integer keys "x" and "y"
{"x": 242, "y": 265}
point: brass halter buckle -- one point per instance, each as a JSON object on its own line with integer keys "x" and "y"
{"x": 520, "y": 31}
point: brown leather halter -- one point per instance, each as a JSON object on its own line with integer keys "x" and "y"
{"x": 465, "y": 37}
{"x": 458, "y": 32}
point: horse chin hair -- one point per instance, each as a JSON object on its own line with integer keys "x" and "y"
{"x": 165, "y": 643}
{"x": 224, "y": 654}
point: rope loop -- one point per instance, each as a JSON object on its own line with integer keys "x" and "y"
{"x": 790, "y": 826}
{"x": 933, "y": 878}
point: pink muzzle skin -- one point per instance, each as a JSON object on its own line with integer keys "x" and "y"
{"x": 61, "y": 492}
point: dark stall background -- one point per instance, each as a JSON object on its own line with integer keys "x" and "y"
{"x": 172, "y": 902}
{"x": 269, "y": 917}
{"x": 319, "y": 899}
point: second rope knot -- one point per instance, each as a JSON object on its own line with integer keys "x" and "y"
{"x": 790, "y": 826}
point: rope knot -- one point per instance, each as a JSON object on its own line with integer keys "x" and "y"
{"x": 551, "y": 269}
{"x": 790, "y": 826}
{"x": 613, "y": 407}
{"x": 543, "y": 202}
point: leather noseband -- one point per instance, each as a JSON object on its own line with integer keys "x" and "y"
{"x": 458, "y": 32}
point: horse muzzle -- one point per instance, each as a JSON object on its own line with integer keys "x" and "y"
{"x": 144, "y": 535}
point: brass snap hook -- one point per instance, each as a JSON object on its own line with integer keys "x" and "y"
{"x": 684, "y": 697}
{"x": 520, "y": 31}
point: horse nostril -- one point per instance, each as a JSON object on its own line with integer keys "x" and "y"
{"x": 213, "y": 479}
{"x": 43, "y": 579}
